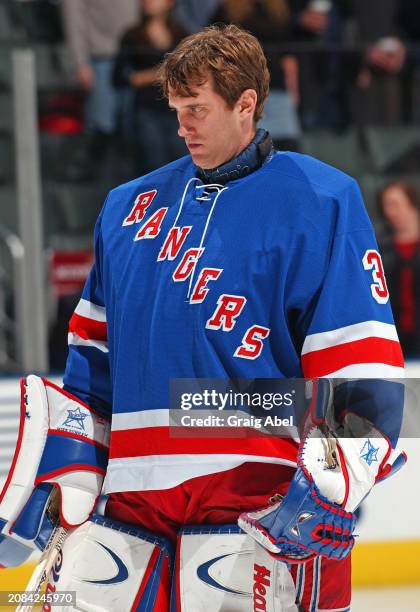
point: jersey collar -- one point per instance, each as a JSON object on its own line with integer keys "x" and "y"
{"x": 258, "y": 152}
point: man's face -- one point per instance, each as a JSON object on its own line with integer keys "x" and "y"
{"x": 213, "y": 132}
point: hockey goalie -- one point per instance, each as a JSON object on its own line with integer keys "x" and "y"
{"x": 236, "y": 262}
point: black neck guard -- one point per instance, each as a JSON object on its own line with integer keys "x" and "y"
{"x": 259, "y": 150}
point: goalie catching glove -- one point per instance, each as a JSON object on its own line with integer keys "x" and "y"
{"x": 334, "y": 475}
{"x": 63, "y": 446}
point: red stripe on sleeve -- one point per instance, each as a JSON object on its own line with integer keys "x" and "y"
{"x": 88, "y": 329}
{"x": 369, "y": 350}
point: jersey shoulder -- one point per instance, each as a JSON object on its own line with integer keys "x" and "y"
{"x": 168, "y": 180}
{"x": 310, "y": 172}
{"x": 316, "y": 190}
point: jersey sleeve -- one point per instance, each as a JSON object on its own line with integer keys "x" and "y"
{"x": 349, "y": 329}
{"x": 350, "y": 332}
{"x": 87, "y": 373}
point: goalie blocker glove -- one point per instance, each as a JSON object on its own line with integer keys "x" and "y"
{"x": 62, "y": 446}
{"x": 334, "y": 475}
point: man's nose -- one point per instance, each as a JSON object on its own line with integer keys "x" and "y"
{"x": 184, "y": 128}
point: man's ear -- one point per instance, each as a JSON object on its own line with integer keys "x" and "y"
{"x": 247, "y": 103}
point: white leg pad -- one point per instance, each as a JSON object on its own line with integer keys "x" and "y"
{"x": 224, "y": 570}
{"x": 113, "y": 567}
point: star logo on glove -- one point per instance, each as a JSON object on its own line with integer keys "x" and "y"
{"x": 369, "y": 453}
{"x": 76, "y": 416}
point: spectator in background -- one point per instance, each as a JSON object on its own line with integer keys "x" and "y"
{"x": 142, "y": 49}
{"x": 93, "y": 29}
{"x": 310, "y": 17}
{"x": 399, "y": 206}
{"x": 269, "y": 21}
{"x": 377, "y": 27}
{"x": 378, "y": 78}
{"x": 321, "y": 24}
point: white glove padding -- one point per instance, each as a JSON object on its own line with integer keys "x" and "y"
{"x": 62, "y": 443}
{"x": 345, "y": 469}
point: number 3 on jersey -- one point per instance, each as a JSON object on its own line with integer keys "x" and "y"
{"x": 372, "y": 261}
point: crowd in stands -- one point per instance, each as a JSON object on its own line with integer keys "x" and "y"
{"x": 333, "y": 63}
{"x": 345, "y": 71}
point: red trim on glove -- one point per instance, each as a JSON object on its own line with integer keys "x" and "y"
{"x": 19, "y": 440}
{"x": 345, "y": 473}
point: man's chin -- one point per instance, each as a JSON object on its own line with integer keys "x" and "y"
{"x": 198, "y": 159}
{"x": 203, "y": 162}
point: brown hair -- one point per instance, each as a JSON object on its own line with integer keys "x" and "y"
{"x": 240, "y": 10}
{"x": 408, "y": 189}
{"x": 232, "y": 56}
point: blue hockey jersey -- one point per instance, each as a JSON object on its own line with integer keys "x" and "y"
{"x": 273, "y": 275}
